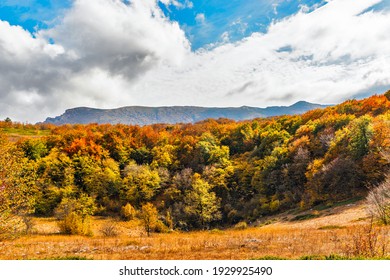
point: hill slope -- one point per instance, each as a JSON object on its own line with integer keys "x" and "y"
{"x": 177, "y": 114}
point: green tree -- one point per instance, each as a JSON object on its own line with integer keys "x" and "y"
{"x": 102, "y": 180}
{"x": 56, "y": 169}
{"x": 34, "y": 149}
{"x": 273, "y": 136}
{"x": 140, "y": 184}
{"x": 163, "y": 156}
{"x": 210, "y": 152}
{"x": 202, "y": 205}
{"x": 361, "y": 132}
{"x": 142, "y": 156}
{"x": 353, "y": 140}
{"x": 55, "y": 174}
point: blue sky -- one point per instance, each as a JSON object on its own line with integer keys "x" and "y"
{"x": 236, "y": 18}
{"x": 205, "y": 22}
{"x": 56, "y": 55}
{"x": 33, "y": 14}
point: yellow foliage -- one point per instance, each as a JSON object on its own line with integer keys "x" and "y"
{"x": 75, "y": 224}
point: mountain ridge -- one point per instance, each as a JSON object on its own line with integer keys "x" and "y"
{"x": 144, "y": 115}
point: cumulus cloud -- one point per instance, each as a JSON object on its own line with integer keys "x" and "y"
{"x": 125, "y": 39}
{"x": 323, "y": 56}
{"x": 110, "y": 53}
{"x": 109, "y": 40}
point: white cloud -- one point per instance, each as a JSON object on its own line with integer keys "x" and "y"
{"x": 200, "y": 18}
{"x": 189, "y": 4}
{"x": 118, "y": 40}
{"x": 178, "y": 4}
{"x": 334, "y": 53}
{"x": 123, "y": 38}
{"x": 131, "y": 54}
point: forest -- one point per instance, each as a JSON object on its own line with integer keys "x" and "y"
{"x": 211, "y": 174}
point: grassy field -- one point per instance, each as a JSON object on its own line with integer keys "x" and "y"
{"x": 339, "y": 232}
{"x": 16, "y": 134}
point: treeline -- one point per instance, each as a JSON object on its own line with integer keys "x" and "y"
{"x": 215, "y": 172}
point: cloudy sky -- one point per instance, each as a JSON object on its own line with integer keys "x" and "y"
{"x": 56, "y": 55}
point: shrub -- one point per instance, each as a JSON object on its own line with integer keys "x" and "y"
{"x": 128, "y": 212}
{"x": 160, "y": 227}
{"x": 109, "y": 229}
{"x": 274, "y": 205}
{"x": 169, "y": 220}
{"x": 241, "y": 226}
{"x": 304, "y": 217}
{"x": 217, "y": 231}
{"x": 83, "y": 206}
{"x": 367, "y": 241}
{"x": 330, "y": 227}
{"x": 378, "y": 202}
{"x": 75, "y": 224}
{"x": 74, "y": 215}
{"x": 29, "y": 224}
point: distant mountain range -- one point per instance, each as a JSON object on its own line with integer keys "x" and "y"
{"x": 175, "y": 114}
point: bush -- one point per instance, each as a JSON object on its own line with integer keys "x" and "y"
{"x": 83, "y": 206}
{"x": 74, "y": 215}
{"x": 217, "y": 231}
{"x": 109, "y": 229}
{"x": 75, "y": 224}
{"x": 304, "y": 217}
{"x": 274, "y": 205}
{"x": 160, "y": 227}
{"x": 367, "y": 241}
{"x": 29, "y": 224}
{"x": 128, "y": 212}
{"x": 378, "y": 202}
{"x": 241, "y": 226}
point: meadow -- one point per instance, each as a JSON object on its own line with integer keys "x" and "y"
{"x": 341, "y": 232}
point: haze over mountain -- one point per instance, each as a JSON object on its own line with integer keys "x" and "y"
{"x": 175, "y": 114}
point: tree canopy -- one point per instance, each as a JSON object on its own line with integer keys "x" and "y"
{"x": 198, "y": 175}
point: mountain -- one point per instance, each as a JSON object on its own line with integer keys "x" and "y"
{"x": 176, "y": 114}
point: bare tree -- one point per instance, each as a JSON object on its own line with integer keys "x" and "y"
{"x": 378, "y": 199}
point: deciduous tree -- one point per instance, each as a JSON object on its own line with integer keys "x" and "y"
{"x": 15, "y": 198}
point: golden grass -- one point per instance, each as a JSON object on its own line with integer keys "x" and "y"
{"x": 344, "y": 231}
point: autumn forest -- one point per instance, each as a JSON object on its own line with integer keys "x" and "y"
{"x": 184, "y": 177}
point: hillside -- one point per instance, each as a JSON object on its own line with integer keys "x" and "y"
{"x": 138, "y": 115}
{"x": 211, "y": 174}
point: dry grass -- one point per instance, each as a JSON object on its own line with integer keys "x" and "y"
{"x": 343, "y": 231}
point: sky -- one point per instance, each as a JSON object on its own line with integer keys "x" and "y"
{"x": 56, "y": 55}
